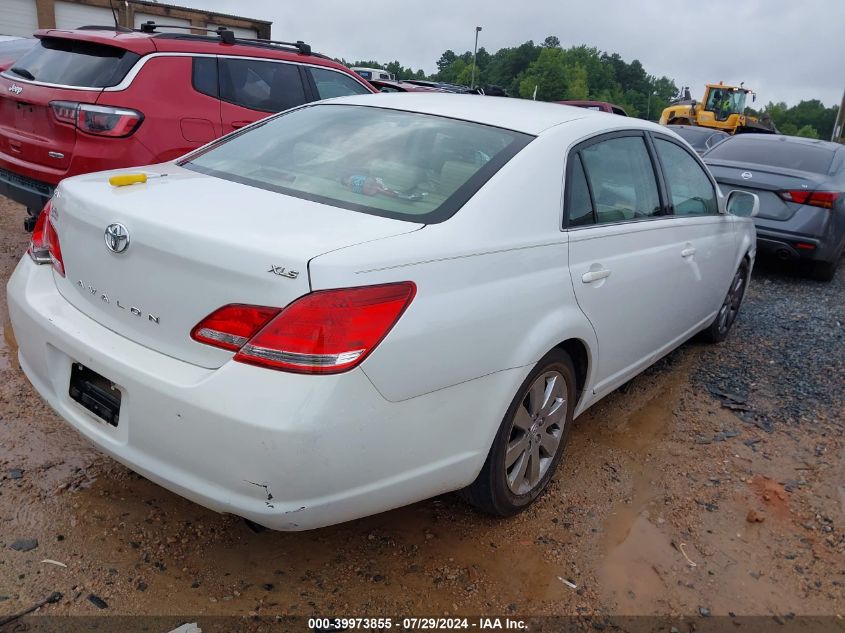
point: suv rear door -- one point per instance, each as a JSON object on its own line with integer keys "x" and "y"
{"x": 33, "y": 142}
{"x": 251, "y": 89}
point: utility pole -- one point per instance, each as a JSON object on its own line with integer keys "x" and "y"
{"x": 474, "y": 55}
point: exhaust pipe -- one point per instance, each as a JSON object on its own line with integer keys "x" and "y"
{"x": 783, "y": 254}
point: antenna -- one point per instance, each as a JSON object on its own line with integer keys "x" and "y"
{"x": 114, "y": 15}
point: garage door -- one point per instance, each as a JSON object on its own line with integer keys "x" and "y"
{"x": 160, "y": 20}
{"x": 70, "y": 15}
{"x": 18, "y": 18}
{"x": 239, "y": 32}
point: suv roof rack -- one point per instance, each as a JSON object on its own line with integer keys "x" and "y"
{"x": 227, "y": 36}
{"x": 100, "y": 27}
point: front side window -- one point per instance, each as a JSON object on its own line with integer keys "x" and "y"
{"x": 261, "y": 85}
{"x": 622, "y": 179}
{"x": 690, "y": 190}
{"x": 403, "y": 165}
{"x": 331, "y": 83}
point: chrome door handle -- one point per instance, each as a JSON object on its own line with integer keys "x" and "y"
{"x": 595, "y": 275}
{"x": 688, "y": 252}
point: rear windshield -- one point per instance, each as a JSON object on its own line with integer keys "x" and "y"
{"x": 75, "y": 63}
{"x": 776, "y": 153}
{"x": 402, "y": 165}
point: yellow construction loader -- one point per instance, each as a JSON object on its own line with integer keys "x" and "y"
{"x": 722, "y": 108}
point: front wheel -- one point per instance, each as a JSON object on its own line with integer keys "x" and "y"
{"x": 721, "y": 326}
{"x": 530, "y": 440}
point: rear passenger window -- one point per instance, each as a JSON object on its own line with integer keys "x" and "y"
{"x": 204, "y": 75}
{"x": 622, "y": 179}
{"x": 579, "y": 204}
{"x": 690, "y": 189}
{"x": 260, "y": 85}
{"x": 331, "y": 83}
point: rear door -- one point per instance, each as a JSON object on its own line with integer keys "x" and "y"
{"x": 707, "y": 258}
{"x": 32, "y": 139}
{"x": 623, "y": 255}
{"x": 252, "y": 89}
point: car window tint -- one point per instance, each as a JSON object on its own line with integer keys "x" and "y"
{"x": 690, "y": 189}
{"x": 404, "y": 165}
{"x": 75, "y": 63}
{"x": 259, "y": 85}
{"x": 579, "y": 204}
{"x": 331, "y": 83}
{"x": 775, "y": 151}
{"x": 204, "y": 75}
{"x": 622, "y": 179}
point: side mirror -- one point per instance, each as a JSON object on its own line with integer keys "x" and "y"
{"x": 743, "y": 204}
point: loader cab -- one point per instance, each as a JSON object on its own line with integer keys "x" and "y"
{"x": 723, "y": 101}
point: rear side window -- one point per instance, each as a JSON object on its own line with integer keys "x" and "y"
{"x": 622, "y": 179}
{"x": 776, "y": 153}
{"x": 204, "y": 75}
{"x": 579, "y": 203}
{"x": 403, "y": 165}
{"x": 690, "y": 189}
{"x": 331, "y": 83}
{"x": 261, "y": 85}
{"x": 75, "y": 63}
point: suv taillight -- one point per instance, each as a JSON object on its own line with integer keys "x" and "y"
{"x": 824, "y": 199}
{"x": 44, "y": 247}
{"x": 95, "y": 119}
{"x": 325, "y": 332}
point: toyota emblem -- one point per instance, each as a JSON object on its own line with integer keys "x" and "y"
{"x": 117, "y": 237}
{"x": 746, "y": 175}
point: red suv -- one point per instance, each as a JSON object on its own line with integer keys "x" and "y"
{"x": 95, "y": 98}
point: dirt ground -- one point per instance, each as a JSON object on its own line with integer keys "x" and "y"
{"x": 714, "y": 483}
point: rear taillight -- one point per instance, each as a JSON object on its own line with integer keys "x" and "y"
{"x": 44, "y": 247}
{"x": 95, "y": 119}
{"x": 824, "y": 199}
{"x": 325, "y": 332}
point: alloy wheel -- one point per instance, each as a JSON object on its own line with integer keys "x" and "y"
{"x": 730, "y": 307}
{"x": 536, "y": 432}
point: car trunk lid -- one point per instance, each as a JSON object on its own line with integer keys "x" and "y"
{"x": 195, "y": 245}
{"x": 767, "y": 182}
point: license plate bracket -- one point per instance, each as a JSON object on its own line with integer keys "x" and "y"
{"x": 96, "y": 393}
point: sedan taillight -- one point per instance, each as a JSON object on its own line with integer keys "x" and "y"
{"x": 96, "y": 119}
{"x": 325, "y": 332}
{"x": 824, "y": 199}
{"x": 44, "y": 247}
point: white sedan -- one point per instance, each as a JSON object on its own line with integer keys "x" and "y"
{"x": 366, "y": 302}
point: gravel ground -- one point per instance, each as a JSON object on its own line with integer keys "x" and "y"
{"x": 711, "y": 484}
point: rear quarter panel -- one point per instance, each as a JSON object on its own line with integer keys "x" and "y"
{"x": 493, "y": 286}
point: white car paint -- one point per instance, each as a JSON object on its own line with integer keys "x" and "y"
{"x": 499, "y": 284}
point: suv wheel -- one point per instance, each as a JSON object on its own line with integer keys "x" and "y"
{"x": 530, "y": 440}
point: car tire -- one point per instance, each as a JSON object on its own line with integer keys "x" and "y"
{"x": 824, "y": 271}
{"x": 536, "y": 424}
{"x": 718, "y": 331}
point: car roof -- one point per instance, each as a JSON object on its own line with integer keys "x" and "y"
{"x": 521, "y": 115}
{"x": 169, "y": 42}
{"x": 797, "y": 140}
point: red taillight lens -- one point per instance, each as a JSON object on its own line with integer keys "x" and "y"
{"x": 325, "y": 332}
{"x": 95, "y": 119}
{"x": 824, "y": 199}
{"x": 44, "y": 247}
{"x": 233, "y": 325}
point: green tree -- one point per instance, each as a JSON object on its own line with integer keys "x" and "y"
{"x": 808, "y": 131}
{"x": 547, "y": 75}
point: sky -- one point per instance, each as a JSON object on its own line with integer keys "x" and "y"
{"x": 784, "y": 50}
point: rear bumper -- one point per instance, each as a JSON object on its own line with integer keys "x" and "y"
{"x": 287, "y": 451}
{"x": 787, "y": 246}
{"x": 29, "y": 192}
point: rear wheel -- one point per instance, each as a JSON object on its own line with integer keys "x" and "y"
{"x": 824, "y": 271}
{"x": 530, "y": 440}
{"x": 721, "y": 326}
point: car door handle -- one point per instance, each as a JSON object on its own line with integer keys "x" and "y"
{"x": 688, "y": 252}
{"x": 595, "y": 275}
{"x": 240, "y": 124}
